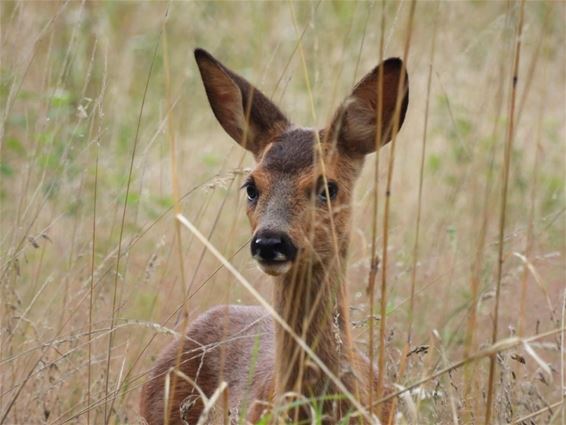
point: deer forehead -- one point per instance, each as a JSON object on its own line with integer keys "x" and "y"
{"x": 291, "y": 154}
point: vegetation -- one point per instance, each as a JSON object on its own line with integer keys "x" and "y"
{"x": 105, "y": 133}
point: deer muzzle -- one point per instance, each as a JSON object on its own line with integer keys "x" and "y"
{"x": 274, "y": 251}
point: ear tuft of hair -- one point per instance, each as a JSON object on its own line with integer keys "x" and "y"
{"x": 201, "y": 53}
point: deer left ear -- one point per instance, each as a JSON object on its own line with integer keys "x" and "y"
{"x": 354, "y": 126}
{"x": 246, "y": 114}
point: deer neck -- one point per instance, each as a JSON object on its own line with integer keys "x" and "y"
{"x": 313, "y": 300}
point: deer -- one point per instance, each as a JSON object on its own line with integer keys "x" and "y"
{"x": 299, "y": 205}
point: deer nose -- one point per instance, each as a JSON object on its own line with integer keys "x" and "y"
{"x": 271, "y": 247}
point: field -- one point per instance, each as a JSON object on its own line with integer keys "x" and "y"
{"x": 106, "y": 132}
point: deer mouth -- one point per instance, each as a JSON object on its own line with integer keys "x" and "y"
{"x": 274, "y": 267}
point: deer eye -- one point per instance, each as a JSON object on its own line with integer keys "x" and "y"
{"x": 332, "y": 191}
{"x": 251, "y": 191}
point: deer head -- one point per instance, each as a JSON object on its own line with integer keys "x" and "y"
{"x": 299, "y": 194}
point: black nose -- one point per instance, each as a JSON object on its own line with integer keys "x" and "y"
{"x": 270, "y": 246}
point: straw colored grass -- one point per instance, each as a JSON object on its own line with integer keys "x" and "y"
{"x": 120, "y": 218}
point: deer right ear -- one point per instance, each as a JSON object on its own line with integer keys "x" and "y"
{"x": 246, "y": 114}
{"x": 354, "y": 126}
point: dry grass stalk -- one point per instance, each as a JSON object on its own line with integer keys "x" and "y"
{"x": 107, "y": 411}
{"x": 409, "y": 340}
{"x": 499, "y": 346}
{"x": 386, "y": 209}
{"x": 502, "y": 217}
{"x": 374, "y": 261}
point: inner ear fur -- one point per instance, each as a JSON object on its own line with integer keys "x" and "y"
{"x": 244, "y": 112}
{"x": 354, "y": 126}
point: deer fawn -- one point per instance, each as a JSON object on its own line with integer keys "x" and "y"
{"x": 299, "y": 200}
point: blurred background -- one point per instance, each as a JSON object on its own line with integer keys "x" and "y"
{"x": 93, "y": 96}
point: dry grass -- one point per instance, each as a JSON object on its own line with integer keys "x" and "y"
{"x": 72, "y": 79}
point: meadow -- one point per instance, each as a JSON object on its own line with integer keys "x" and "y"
{"x": 106, "y": 134}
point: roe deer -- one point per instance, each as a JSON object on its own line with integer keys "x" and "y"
{"x": 299, "y": 206}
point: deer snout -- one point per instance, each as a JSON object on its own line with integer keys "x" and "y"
{"x": 273, "y": 249}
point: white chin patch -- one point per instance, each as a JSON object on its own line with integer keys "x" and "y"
{"x": 276, "y": 269}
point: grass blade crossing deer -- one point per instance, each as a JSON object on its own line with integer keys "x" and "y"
{"x": 299, "y": 206}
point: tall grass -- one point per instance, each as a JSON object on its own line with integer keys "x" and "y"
{"x": 96, "y": 273}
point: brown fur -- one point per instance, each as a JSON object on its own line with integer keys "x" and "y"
{"x": 241, "y": 345}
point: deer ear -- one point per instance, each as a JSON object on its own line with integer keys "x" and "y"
{"x": 241, "y": 109}
{"x": 354, "y": 126}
